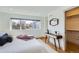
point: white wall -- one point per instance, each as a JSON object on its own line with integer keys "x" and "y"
{"x": 59, "y": 13}
{"x": 5, "y": 24}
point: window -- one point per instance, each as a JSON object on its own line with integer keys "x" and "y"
{"x": 23, "y": 24}
{"x": 15, "y": 24}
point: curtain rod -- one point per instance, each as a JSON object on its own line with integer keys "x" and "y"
{"x": 25, "y": 19}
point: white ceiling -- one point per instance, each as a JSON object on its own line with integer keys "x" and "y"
{"x": 31, "y": 10}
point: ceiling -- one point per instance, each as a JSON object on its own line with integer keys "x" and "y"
{"x": 31, "y": 10}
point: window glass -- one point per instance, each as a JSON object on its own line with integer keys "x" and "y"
{"x": 15, "y": 24}
{"x": 25, "y": 24}
{"x": 30, "y": 24}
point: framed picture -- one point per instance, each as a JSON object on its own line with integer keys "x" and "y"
{"x": 54, "y": 21}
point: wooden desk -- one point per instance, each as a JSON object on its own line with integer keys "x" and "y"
{"x": 55, "y": 37}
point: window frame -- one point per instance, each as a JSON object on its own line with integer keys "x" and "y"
{"x": 20, "y": 24}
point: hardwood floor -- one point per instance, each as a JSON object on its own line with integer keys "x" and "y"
{"x": 53, "y": 47}
{"x": 45, "y": 40}
{"x": 72, "y": 48}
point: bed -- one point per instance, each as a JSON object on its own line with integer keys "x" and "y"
{"x": 30, "y": 46}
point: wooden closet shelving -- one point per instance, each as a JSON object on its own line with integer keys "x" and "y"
{"x": 72, "y": 29}
{"x": 72, "y": 19}
{"x": 72, "y": 12}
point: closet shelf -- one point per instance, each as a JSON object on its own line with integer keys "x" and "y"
{"x": 72, "y": 12}
{"x": 71, "y": 30}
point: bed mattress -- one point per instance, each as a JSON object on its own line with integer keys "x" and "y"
{"x": 21, "y": 46}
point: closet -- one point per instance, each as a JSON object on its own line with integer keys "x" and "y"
{"x": 72, "y": 30}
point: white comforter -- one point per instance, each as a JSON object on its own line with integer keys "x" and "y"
{"x": 21, "y": 46}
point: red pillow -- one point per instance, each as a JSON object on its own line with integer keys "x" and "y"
{"x": 24, "y": 37}
{"x": 19, "y": 36}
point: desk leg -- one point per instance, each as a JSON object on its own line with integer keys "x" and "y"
{"x": 48, "y": 39}
{"x": 59, "y": 44}
{"x": 55, "y": 44}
